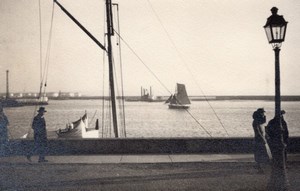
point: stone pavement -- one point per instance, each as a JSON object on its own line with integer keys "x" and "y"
{"x": 141, "y": 172}
{"x": 145, "y": 158}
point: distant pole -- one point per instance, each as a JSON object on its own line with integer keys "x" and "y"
{"x": 110, "y": 32}
{"x": 7, "y": 85}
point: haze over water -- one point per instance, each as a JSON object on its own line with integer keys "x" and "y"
{"x": 144, "y": 119}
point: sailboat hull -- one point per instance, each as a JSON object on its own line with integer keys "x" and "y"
{"x": 172, "y": 106}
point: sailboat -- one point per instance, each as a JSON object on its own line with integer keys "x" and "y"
{"x": 180, "y": 99}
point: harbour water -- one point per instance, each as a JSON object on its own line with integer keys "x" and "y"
{"x": 146, "y": 119}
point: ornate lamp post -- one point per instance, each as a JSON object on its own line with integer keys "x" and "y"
{"x": 275, "y": 30}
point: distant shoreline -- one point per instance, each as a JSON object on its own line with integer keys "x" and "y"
{"x": 193, "y": 98}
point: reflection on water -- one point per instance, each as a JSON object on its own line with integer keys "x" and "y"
{"x": 145, "y": 119}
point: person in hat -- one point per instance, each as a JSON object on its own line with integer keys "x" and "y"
{"x": 3, "y": 132}
{"x": 40, "y": 135}
{"x": 260, "y": 148}
{"x": 272, "y": 135}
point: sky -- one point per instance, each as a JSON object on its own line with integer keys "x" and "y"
{"x": 213, "y": 47}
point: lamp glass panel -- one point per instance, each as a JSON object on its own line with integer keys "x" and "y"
{"x": 268, "y": 33}
{"x": 282, "y": 32}
{"x": 277, "y": 33}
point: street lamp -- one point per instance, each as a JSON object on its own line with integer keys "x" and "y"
{"x": 275, "y": 30}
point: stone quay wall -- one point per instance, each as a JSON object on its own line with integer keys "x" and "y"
{"x": 146, "y": 146}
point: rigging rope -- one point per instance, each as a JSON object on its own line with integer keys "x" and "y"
{"x": 183, "y": 60}
{"x": 121, "y": 67}
{"x": 156, "y": 77}
{"x": 45, "y": 73}
{"x": 160, "y": 81}
{"x": 121, "y": 105}
{"x": 41, "y": 53}
{"x": 103, "y": 77}
{"x": 47, "y": 61}
{"x": 110, "y": 116}
{"x": 118, "y": 93}
{"x": 121, "y": 101}
{"x": 41, "y": 66}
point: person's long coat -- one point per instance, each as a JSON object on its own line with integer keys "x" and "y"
{"x": 274, "y": 138}
{"x": 3, "y": 129}
{"x": 260, "y": 149}
{"x": 40, "y": 133}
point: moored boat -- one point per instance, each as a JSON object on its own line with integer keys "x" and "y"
{"x": 78, "y": 129}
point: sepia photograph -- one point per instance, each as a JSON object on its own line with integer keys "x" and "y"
{"x": 149, "y": 95}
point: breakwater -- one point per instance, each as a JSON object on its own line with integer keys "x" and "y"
{"x": 146, "y": 146}
{"x": 193, "y": 98}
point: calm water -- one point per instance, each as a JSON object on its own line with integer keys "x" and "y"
{"x": 156, "y": 120}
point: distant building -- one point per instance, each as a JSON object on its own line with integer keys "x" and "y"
{"x": 77, "y": 94}
{"x": 18, "y": 95}
{"x": 30, "y": 95}
{"x": 25, "y": 95}
{"x": 52, "y": 94}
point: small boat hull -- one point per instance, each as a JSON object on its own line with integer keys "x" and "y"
{"x": 173, "y": 106}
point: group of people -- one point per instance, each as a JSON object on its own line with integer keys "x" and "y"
{"x": 264, "y": 147}
{"x": 40, "y": 135}
{"x": 266, "y": 137}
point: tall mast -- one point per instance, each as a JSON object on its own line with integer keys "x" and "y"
{"x": 110, "y": 32}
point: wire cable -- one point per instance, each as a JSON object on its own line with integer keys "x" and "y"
{"x": 121, "y": 67}
{"x": 160, "y": 81}
{"x": 47, "y": 60}
{"x": 183, "y": 61}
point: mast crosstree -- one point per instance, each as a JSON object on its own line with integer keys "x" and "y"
{"x": 110, "y": 32}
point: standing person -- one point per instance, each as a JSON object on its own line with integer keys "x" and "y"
{"x": 40, "y": 135}
{"x": 260, "y": 147}
{"x": 3, "y": 132}
{"x": 270, "y": 134}
{"x": 272, "y": 137}
{"x": 285, "y": 133}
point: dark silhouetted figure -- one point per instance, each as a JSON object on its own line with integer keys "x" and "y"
{"x": 271, "y": 136}
{"x": 97, "y": 124}
{"x": 260, "y": 144}
{"x": 285, "y": 133}
{"x": 4, "y": 146}
{"x": 40, "y": 135}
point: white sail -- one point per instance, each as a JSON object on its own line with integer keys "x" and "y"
{"x": 181, "y": 95}
{"x": 180, "y": 99}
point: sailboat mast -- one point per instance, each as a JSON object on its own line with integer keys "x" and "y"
{"x": 110, "y": 32}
